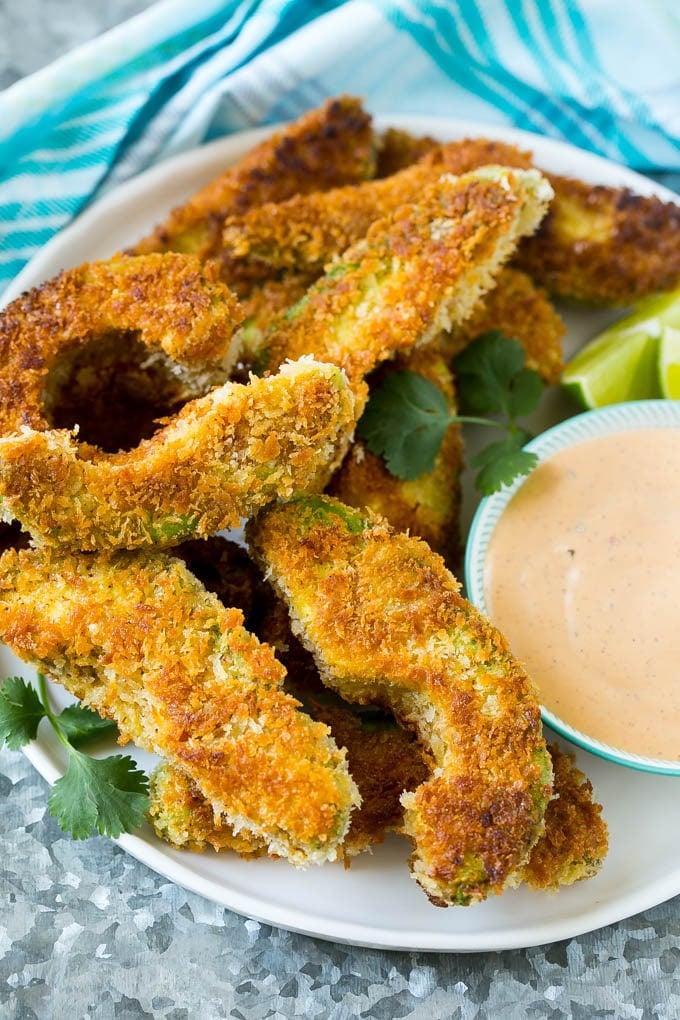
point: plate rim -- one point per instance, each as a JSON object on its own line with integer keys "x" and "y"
{"x": 172, "y": 867}
{"x": 611, "y": 911}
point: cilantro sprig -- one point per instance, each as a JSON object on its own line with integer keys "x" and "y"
{"x": 406, "y": 419}
{"x": 107, "y": 795}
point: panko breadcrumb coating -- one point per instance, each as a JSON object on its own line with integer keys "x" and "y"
{"x": 222, "y": 457}
{"x": 414, "y": 274}
{"x": 519, "y": 309}
{"x": 184, "y": 818}
{"x": 263, "y": 304}
{"x": 571, "y": 849}
{"x": 326, "y": 148}
{"x": 599, "y": 245}
{"x": 95, "y": 619}
{"x": 135, "y": 636}
{"x": 428, "y": 506}
{"x": 576, "y": 840}
{"x": 307, "y": 231}
{"x": 398, "y": 149}
{"x": 384, "y": 759}
{"x": 179, "y": 311}
{"x": 604, "y": 246}
{"x": 386, "y": 624}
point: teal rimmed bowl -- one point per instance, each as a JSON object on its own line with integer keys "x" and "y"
{"x": 617, "y": 418}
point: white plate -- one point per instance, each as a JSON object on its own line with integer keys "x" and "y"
{"x": 375, "y": 902}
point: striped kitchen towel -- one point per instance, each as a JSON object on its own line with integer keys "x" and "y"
{"x": 601, "y": 74}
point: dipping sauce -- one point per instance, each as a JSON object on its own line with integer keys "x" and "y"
{"x": 582, "y": 574}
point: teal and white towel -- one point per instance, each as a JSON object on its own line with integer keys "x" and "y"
{"x": 601, "y": 74}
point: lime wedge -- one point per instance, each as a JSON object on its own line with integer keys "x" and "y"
{"x": 612, "y": 369}
{"x": 623, "y": 362}
{"x": 669, "y": 362}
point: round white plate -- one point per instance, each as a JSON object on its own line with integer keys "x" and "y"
{"x": 375, "y": 902}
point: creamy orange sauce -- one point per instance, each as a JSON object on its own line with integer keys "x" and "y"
{"x": 583, "y": 577}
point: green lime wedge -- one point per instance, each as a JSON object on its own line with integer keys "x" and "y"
{"x": 623, "y": 362}
{"x": 669, "y": 362}
{"x": 612, "y": 369}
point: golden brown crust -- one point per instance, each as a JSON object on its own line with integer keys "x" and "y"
{"x": 470, "y": 835}
{"x": 173, "y": 304}
{"x": 603, "y": 245}
{"x": 572, "y": 848}
{"x": 307, "y": 231}
{"x": 182, "y": 817}
{"x": 428, "y": 506}
{"x": 414, "y": 274}
{"x": 383, "y": 759}
{"x": 520, "y": 309}
{"x": 575, "y": 840}
{"x": 327, "y": 147}
{"x": 222, "y": 457}
{"x": 398, "y": 149}
{"x": 472, "y": 153}
{"x": 386, "y": 624}
{"x": 263, "y": 304}
{"x": 599, "y": 245}
{"x": 136, "y": 637}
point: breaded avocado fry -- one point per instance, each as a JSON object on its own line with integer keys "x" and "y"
{"x": 428, "y": 506}
{"x": 327, "y": 147}
{"x": 386, "y": 624}
{"x": 174, "y": 309}
{"x": 576, "y": 840}
{"x": 520, "y": 309}
{"x": 384, "y": 759}
{"x": 604, "y": 246}
{"x": 135, "y": 636}
{"x": 222, "y": 457}
{"x": 308, "y": 231}
{"x": 398, "y": 149}
{"x": 415, "y": 273}
{"x": 384, "y": 763}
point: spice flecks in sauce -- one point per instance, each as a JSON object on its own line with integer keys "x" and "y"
{"x": 583, "y": 576}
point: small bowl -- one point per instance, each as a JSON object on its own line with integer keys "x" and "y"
{"x": 616, "y": 418}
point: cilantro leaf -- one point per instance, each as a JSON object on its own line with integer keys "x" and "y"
{"x": 82, "y": 725}
{"x": 492, "y": 378}
{"x": 501, "y": 462}
{"x": 20, "y": 713}
{"x": 524, "y": 393}
{"x": 405, "y": 422}
{"x": 486, "y": 370}
{"x": 107, "y": 795}
{"x": 406, "y": 418}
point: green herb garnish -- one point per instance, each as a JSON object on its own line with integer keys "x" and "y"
{"x": 406, "y": 419}
{"x": 107, "y": 795}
